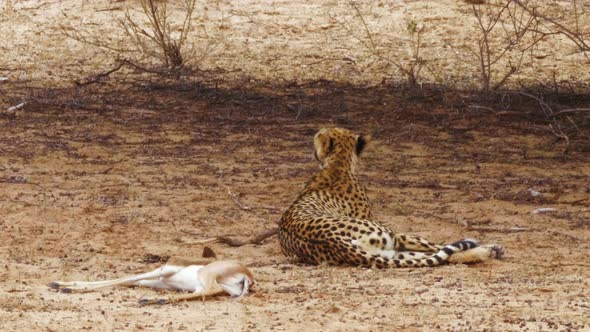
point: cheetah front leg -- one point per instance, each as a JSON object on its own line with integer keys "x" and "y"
{"x": 405, "y": 242}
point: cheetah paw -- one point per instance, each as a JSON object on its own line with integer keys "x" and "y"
{"x": 496, "y": 251}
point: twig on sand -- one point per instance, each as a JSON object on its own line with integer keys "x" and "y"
{"x": 543, "y": 210}
{"x": 571, "y": 110}
{"x": 498, "y": 229}
{"x": 109, "y": 9}
{"x": 41, "y": 5}
{"x": 232, "y": 242}
{"x": 98, "y": 77}
{"x": 234, "y": 198}
{"x": 17, "y": 107}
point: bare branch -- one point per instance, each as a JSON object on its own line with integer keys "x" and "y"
{"x": 571, "y": 110}
{"x": 557, "y": 27}
{"x": 257, "y": 239}
{"x": 150, "y": 38}
{"x": 412, "y": 69}
{"x": 99, "y": 77}
{"x": 503, "y": 28}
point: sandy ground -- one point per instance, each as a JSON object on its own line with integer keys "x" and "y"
{"x": 105, "y": 181}
{"x": 288, "y": 41}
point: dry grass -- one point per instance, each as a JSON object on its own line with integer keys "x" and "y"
{"x": 307, "y": 43}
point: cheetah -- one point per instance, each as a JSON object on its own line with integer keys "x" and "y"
{"x": 329, "y": 221}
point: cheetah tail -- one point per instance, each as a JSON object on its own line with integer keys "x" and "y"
{"x": 436, "y": 259}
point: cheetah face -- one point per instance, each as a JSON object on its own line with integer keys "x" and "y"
{"x": 329, "y": 142}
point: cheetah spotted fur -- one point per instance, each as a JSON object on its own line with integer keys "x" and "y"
{"x": 329, "y": 221}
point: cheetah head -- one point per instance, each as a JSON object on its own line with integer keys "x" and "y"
{"x": 331, "y": 144}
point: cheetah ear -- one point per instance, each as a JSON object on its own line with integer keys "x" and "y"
{"x": 323, "y": 145}
{"x": 330, "y": 146}
{"x": 361, "y": 142}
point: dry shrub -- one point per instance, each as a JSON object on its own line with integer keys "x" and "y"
{"x": 379, "y": 49}
{"x": 565, "y": 22}
{"x": 506, "y": 34}
{"x": 150, "y": 41}
{"x": 158, "y": 39}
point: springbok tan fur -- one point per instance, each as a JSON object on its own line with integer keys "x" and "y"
{"x": 201, "y": 278}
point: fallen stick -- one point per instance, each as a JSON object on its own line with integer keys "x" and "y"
{"x": 238, "y": 243}
{"x": 571, "y": 110}
{"x": 498, "y": 229}
{"x": 39, "y": 6}
{"x": 109, "y": 9}
{"x": 234, "y": 198}
{"x": 543, "y": 210}
{"x": 19, "y": 106}
{"x": 98, "y": 77}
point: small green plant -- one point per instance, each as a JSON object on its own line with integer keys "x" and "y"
{"x": 417, "y": 63}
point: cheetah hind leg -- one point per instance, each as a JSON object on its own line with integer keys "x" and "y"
{"x": 412, "y": 255}
{"x": 404, "y": 242}
{"x": 478, "y": 254}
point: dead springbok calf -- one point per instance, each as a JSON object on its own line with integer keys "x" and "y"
{"x": 201, "y": 280}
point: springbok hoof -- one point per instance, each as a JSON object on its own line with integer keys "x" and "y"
{"x": 53, "y": 285}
